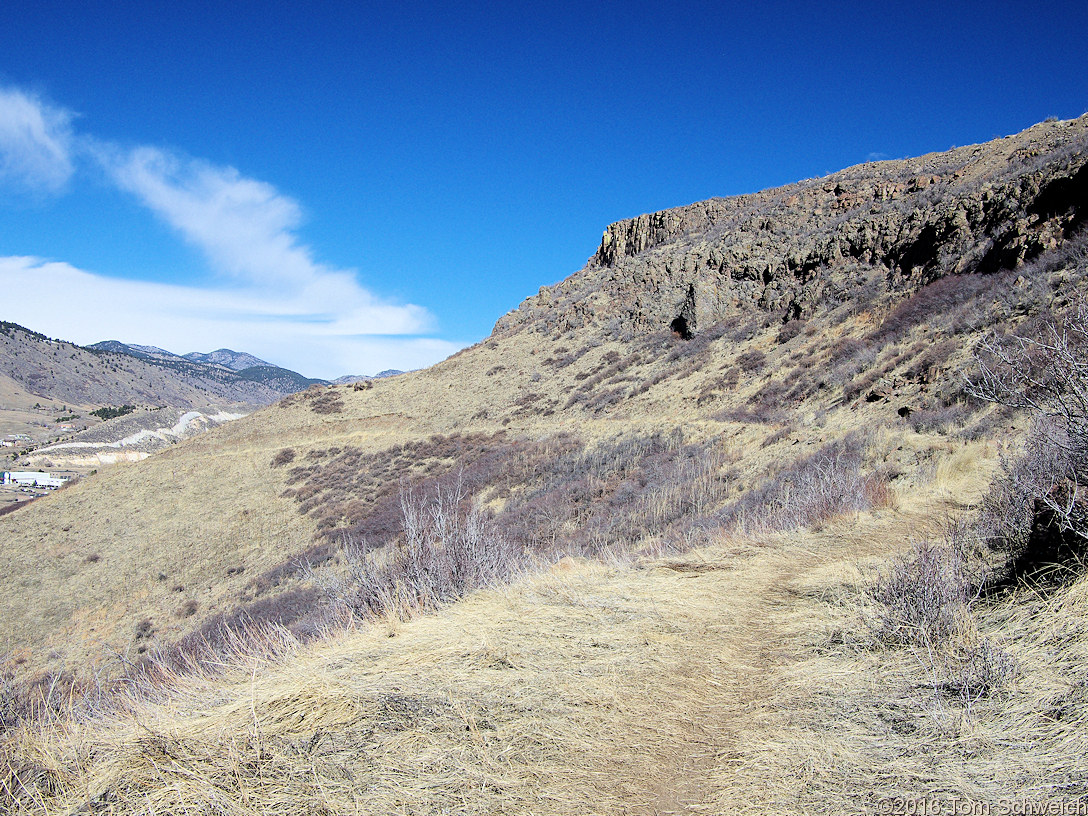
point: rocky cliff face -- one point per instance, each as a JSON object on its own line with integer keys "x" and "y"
{"x": 869, "y": 230}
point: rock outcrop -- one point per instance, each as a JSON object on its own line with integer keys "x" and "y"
{"x": 856, "y": 235}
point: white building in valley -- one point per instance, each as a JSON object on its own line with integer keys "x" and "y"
{"x": 30, "y": 478}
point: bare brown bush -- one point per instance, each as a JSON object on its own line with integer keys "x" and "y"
{"x": 284, "y": 457}
{"x": 923, "y": 594}
{"x": 1037, "y": 512}
{"x": 327, "y": 401}
{"x": 812, "y": 489}
{"x": 450, "y": 547}
{"x": 925, "y": 605}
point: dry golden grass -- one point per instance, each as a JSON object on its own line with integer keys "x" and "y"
{"x": 739, "y": 677}
{"x": 866, "y": 726}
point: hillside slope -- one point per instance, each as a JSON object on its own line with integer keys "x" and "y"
{"x": 653, "y": 399}
{"x": 127, "y": 438}
{"x": 57, "y": 370}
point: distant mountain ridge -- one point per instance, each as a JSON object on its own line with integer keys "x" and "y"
{"x": 234, "y": 360}
{"x": 246, "y": 366}
{"x": 227, "y": 358}
{"x": 115, "y": 373}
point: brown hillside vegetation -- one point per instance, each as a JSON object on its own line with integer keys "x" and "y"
{"x": 695, "y": 530}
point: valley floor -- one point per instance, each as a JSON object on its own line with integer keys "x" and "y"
{"x": 736, "y": 678}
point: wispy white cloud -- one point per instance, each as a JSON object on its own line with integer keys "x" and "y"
{"x": 244, "y": 226}
{"x": 62, "y": 301}
{"x": 273, "y": 299}
{"x": 35, "y": 143}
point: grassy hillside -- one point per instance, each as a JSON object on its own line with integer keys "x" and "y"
{"x": 686, "y": 466}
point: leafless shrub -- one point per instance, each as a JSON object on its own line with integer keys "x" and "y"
{"x": 11, "y": 705}
{"x": 450, "y": 548}
{"x": 711, "y": 388}
{"x": 923, "y": 595}
{"x": 1046, "y": 375}
{"x": 790, "y": 331}
{"x": 844, "y": 348}
{"x": 925, "y": 604}
{"x": 752, "y": 362}
{"x": 769, "y": 398}
{"x": 1036, "y": 512}
{"x": 941, "y": 420}
{"x": 284, "y": 457}
{"x": 607, "y": 370}
{"x": 691, "y": 489}
{"x": 36, "y": 698}
{"x": 986, "y": 425}
{"x": 805, "y": 384}
{"x": 221, "y": 633}
{"x": 862, "y": 384}
{"x": 927, "y": 366}
{"x": 11, "y": 508}
{"x": 979, "y": 670}
{"x": 562, "y": 357}
{"x": 217, "y": 645}
{"x": 650, "y": 382}
{"x": 327, "y": 402}
{"x": 811, "y": 490}
{"x": 939, "y": 300}
{"x": 606, "y": 398}
{"x": 748, "y": 416}
{"x": 777, "y": 436}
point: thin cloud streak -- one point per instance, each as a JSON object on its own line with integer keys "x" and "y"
{"x": 244, "y": 226}
{"x": 71, "y": 304}
{"x": 274, "y": 295}
{"x": 35, "y": 143}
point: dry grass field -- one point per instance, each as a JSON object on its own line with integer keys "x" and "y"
{"x": 740, "y": 677}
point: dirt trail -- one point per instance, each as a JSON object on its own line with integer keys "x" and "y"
{"x": 759, "y": 598}
{"x": 776, "y": 600}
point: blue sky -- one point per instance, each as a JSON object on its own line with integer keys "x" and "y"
{"x": 347, "y": 187}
